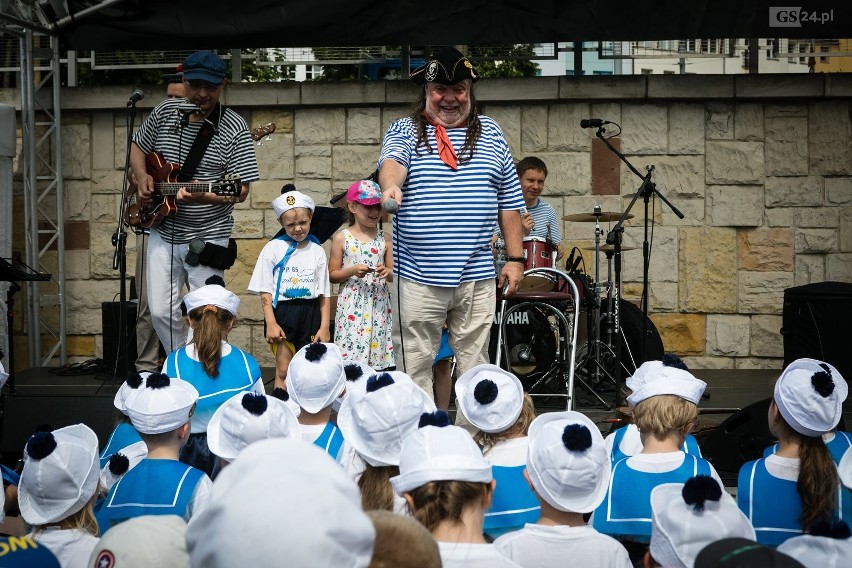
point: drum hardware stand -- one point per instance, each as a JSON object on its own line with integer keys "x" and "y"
{"x": 646, "y": 189}
{"x": 567, "y": 342}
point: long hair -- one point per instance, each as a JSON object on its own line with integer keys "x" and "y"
{"x": 474, "y": 127}
{"x": 84, "y": 520}
{"x": 521, "y": 427}
{"x": 818, "y": 481}
{"x": 376, "y": 490}
{"x": 209, "y": 327}
{"x": 439, "y": 501}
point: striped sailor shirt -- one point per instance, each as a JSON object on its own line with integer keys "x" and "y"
{"x": 546, "y": 224}
{"x": 230, "y": 151}
{"x": 443, "y": 229}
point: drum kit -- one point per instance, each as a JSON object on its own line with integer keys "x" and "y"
{"x": 558, "y": 329}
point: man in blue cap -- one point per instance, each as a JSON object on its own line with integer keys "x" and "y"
{"x": 184, "y": 142}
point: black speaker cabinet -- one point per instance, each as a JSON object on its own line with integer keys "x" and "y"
{"x": 815, "y": 324}
{"x": 740, "y": 438}
{"x": 119, "y": 332}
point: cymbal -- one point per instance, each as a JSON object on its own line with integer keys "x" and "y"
{"x": 605, "y": 216}
{"x": 610, "y": 248}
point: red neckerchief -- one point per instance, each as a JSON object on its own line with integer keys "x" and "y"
{"x": 445, "y": 148}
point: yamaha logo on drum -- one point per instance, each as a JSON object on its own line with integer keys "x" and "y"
{"x": 515, "y": 318}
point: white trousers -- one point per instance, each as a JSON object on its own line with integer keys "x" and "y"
{"x": 168, "y": 276}
{"x": 468, "y": 311}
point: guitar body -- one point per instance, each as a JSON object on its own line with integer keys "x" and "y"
{"x": 161, "y": 206}
{"x": 163, "y": 202}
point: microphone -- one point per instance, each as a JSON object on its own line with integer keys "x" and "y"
{"x": 593, "y": 123}
{"x": 137, "y": 96}
{"x": 390, "y": 206}
{"x": 186, "y": 110}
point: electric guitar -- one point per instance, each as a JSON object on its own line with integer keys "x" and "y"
{"x": 163, "y": 202}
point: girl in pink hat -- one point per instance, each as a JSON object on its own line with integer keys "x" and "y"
{"x": 361, "y": 262}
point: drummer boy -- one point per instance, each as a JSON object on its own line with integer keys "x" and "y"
{"x": 540, "y": 218}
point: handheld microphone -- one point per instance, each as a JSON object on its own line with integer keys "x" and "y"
{"x": 137, "y": 96}
{"x": 186, "y": 110}
{"x": 593, "y": 123}
{"x": 390, "y": 206}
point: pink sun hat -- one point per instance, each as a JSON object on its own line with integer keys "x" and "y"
{"x": 365, "y": 192}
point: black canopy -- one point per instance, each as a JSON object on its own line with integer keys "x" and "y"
{"x": 194, "y": 24}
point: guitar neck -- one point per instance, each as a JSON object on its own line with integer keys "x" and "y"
{"x": 171, "y": 188}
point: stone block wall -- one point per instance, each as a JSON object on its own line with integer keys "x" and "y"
{"x": 760, "y": 166}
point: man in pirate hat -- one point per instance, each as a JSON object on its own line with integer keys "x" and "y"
{"x": 451, "y": 175}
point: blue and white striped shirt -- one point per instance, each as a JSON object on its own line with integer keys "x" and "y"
{"x": 545, "y": 218}
{"x": 444, "y": 225}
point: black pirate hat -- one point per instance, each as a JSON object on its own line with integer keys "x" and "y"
{"x": 446, "y": 66}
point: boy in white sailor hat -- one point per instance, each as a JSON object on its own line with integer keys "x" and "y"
{"x": 315, "y": 378}
{"x": 375, "y": 420}
{"x": 665, "y": 410}
{"x": 448, "y": 485}
{"x": 784, "y": 493}
{"x": 291, "y": 276}
{"x": 282, "y": 502}
{"x": 568, "y": 469}
{"x": 57, "y": 490}
{"x": 159, "y": 484}
{"x": 247, "y": 418}
{"x": 689, "y": 516}
{"x": 625, "y": 441}
{"x": 493, "y": 400}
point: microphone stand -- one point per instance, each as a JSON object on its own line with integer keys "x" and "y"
{"x": 119, "y": 241}
{"x": 614, "y": 238}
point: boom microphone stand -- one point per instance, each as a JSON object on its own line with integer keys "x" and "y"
{"x": 646, "y": 189}
{"x": 119, "y": 240}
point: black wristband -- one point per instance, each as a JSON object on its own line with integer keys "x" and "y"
{"x": 520, "y": 259}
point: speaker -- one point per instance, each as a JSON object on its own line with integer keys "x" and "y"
{"x": 815, "y": 321}
{"x": 22, "y": 413}
{"x": 739, "y": 438}
{"x": 119, "y": 332}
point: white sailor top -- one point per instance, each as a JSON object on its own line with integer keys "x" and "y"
{"x": 238, "y": 372}
{"x": 773, "y": 504}
{"x": 153, "y": 487}
{"x": 626, "y": 508}
{"x": 836, "y": 442}
{"x": 514, "y": 504}
{"x": 625, "y": 442}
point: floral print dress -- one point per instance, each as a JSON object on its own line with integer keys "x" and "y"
{"x": 362, "y": 324}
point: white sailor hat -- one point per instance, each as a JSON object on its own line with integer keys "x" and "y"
{"x": 686, "y": 517}
{"x": 212, "y": 295}
{"x": 246, "y": 418}
{"x": 490, "y": 397}
{"x": 438, "y": 451}
{"x": 60, "y": 474}
{"x": 828, "y": 545}
{"x": 662, "y": 379}
{"x": 313, "y": 516}
{"x": 567, "y": 461}
{"x": 141, "y": 542}
{"x": 291, "y": 200}
{"x": 376, "y": 420}
{"x": 315, "y": 376}
{"x": 121, "y": 462}
{"x": 133, "y": 382}
{"x": 810, "y": 394}
{"x": 163, "y": 405}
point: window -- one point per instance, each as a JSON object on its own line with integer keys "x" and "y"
{"x": 647, "y": 72}
{"x": 823, "y": 49}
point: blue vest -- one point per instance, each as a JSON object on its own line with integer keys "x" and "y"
{"x": 626, "y": 508}
{"x": 513, "y": 505}
{"x": 690, "y": 446}
{"x": 773, "y": 505}
{"x": 153, "y": 487}
{"x": 10, "y": 476}
{"x": 330, "y": 440}
{"x": 122, "y": 436}
{"x": 238, "y": 372}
